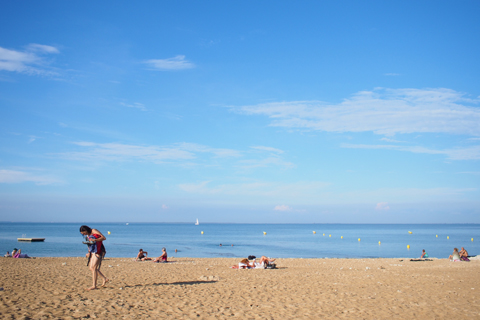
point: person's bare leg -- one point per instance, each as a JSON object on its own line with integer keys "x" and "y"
{"x": 105, "y": 279}
{"x": 93, "y": 266}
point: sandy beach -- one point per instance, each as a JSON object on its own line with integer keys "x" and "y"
{"x": 194, "y": 288}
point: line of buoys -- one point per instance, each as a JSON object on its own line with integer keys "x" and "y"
{"x": 408, "y": 246}
{"x": 448, "y": 237}
{"x": 379, "y": 242}
{"x": 202, "y": 232}
{"x": 264, "y": 233}
{"x": 342, "y": 237}
{"x": 314, "y": 232}
{"x": 330, "y": 235}
{"x": 358, "y": 239}
{"x": 324, "y": 234}
{"x": 472, "y": 239}
{"x": 410, "y": 232}
{"x": 436, "y": 236}
{"x": 108, "y": 232}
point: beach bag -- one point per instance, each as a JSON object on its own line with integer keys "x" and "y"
{"x": 270, "y": 266}
{"x": 251, "y": 257}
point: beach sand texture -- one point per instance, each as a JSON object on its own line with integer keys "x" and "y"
{"x": 207, "y": 288}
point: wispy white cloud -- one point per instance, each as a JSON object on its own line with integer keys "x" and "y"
{"x": 34, "y": 47}
{"x": 32, "y": 139}
{"x": 258, "y": 188}
{"x": 16, "y": 176}
{"x": 164, "y": 207}
{"x": 465, "y": 153}
{"x": 390, "y": 140}
{"x": 282, "y": 208}
{"x": 382, "y": 111}
{"x": 392, "y": 74}
{"x": 176, "y": 63}
{"x": 269, "y": 149}
{"x": 264, "y": 162}
{"x": 136, "y": 105}
{"x": 156, "y": 154}
{"x": 124, "y": 152}
{"x": 29, "y": 61}
{"x": 382, "y": 206}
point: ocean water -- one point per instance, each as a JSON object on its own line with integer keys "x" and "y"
{"x": 280, "y": 241}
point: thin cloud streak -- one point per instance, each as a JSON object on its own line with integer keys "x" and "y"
{"x": 382, "y": 111}
{"x": 156, "y": 154}
{"x": 29, "y": 61}
{"x": 136, "y": 105}
{"x": 258, "y": 189}
{"x": 468, "y": 153}
{"x": 15, "y": 176}
{"x": 176, "y": 63}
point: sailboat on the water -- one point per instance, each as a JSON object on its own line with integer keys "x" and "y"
{"x": 197, "y": 223}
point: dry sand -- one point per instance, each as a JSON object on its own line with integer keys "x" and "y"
{"x": 192, "y": 288}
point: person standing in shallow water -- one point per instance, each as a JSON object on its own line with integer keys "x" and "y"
{"x": 96, "y": 251}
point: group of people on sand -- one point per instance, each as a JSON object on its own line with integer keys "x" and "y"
{"x": 461, "y": 255}
{"x": 16, "y": 253}
{"x": 261, "y": 264}
{"x": 143, "y": 256}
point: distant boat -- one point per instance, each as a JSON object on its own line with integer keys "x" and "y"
{"x": 126, "y": 223}
{"x": 197, "y": 223}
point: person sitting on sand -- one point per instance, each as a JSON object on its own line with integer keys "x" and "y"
{"x": 142, "y": 256}
{"x": 7, "y": 255}
{"x": 455, "y": 256}
{"x": 96, "y": 251}
{"x": 463, "y": 253}
{"x": 424, "y": 255}
{"x": 17, "y": 253}
{"x": 163, "y": 257}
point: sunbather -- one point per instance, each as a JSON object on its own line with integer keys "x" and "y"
{"x": 463, "y": 253}
{"x": 455, "y": 256}
{"x": 18, "y": 254}
{"x": 424, "y": 254}
{"x": 262, "y": 262}
{"x": 142, "y": 256}
{"x": 163, "y": 257}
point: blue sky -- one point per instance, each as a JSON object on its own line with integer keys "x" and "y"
{"x": 271, "y": 111}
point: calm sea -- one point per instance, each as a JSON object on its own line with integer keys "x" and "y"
{"x": 280, "y": 240}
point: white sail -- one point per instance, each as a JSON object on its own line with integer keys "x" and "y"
{"x": 197, "y": 223}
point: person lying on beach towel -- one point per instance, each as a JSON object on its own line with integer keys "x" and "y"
{"x": 142, "y": 256}
{"x": 244, "y": 264}
{"x": 7, "y": 255}
{"x": 163, "y": 257}
{"x": 263, "y": 262}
